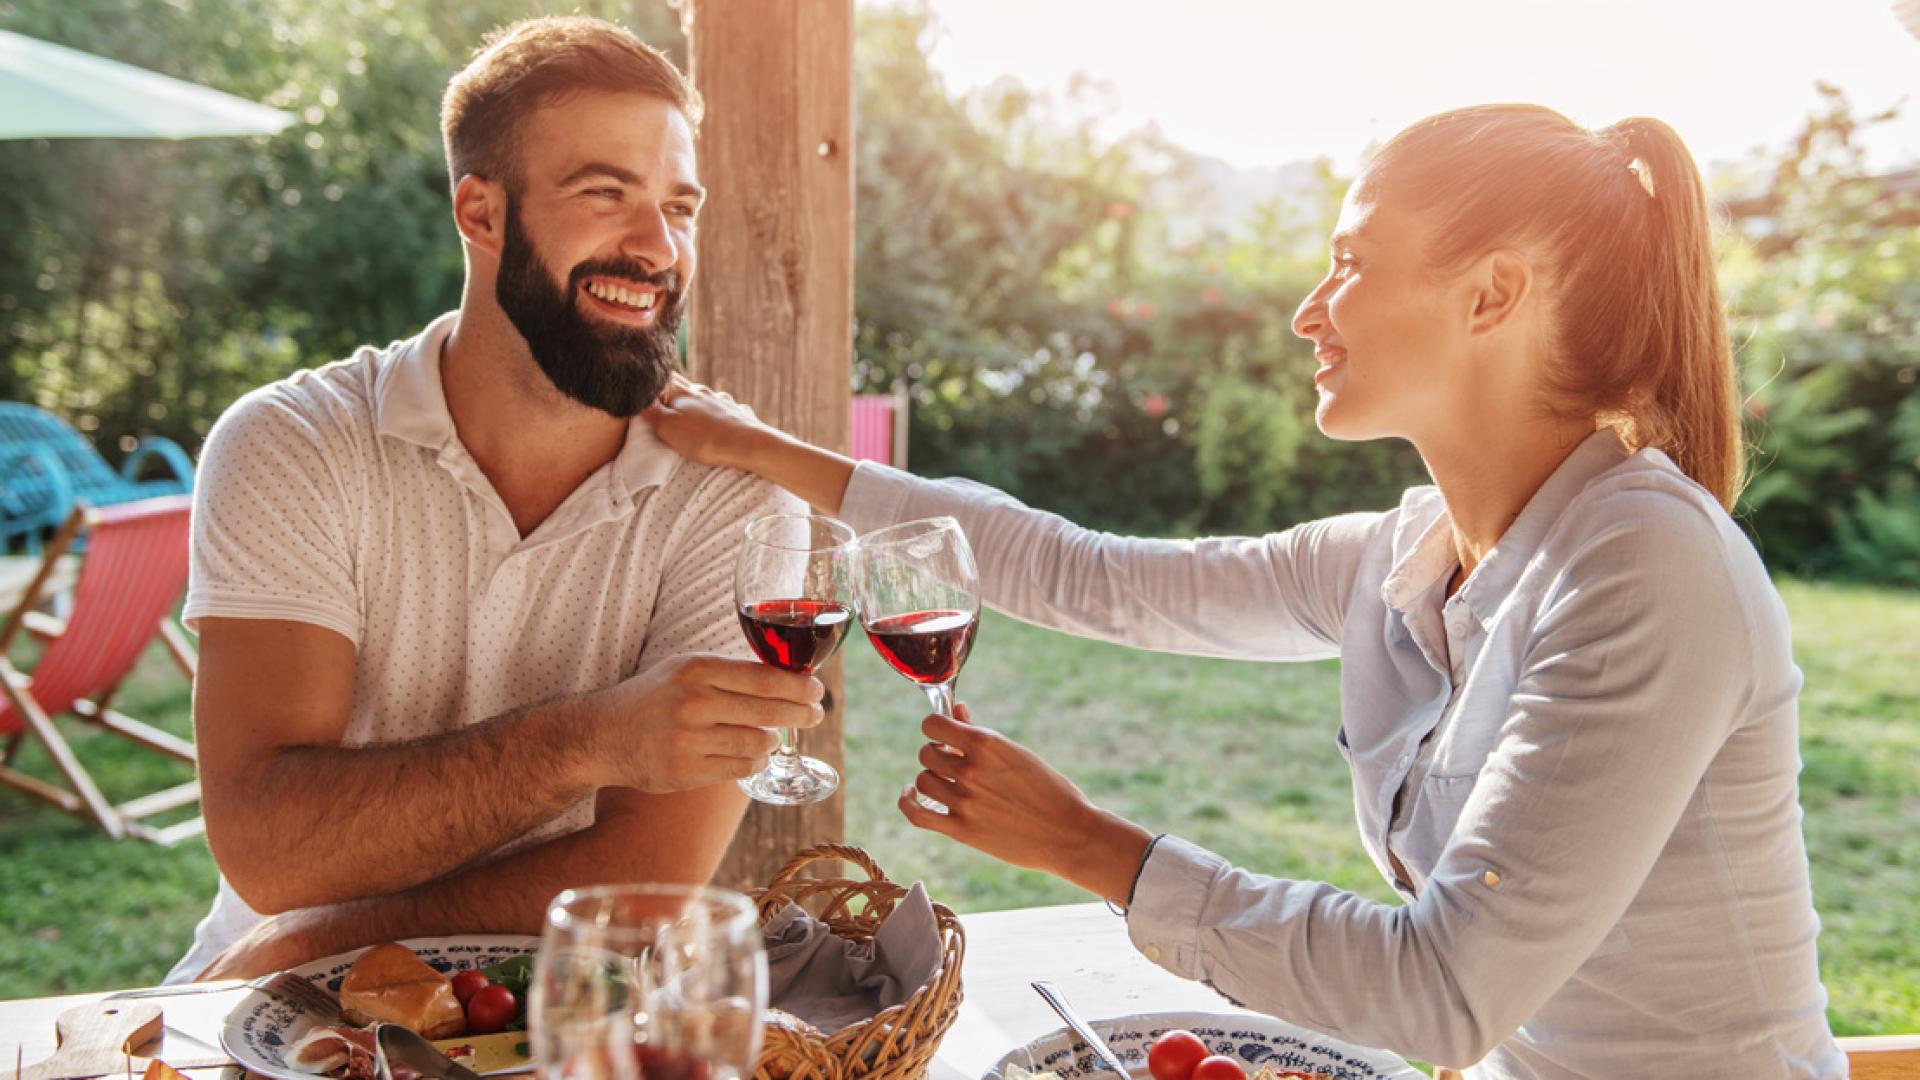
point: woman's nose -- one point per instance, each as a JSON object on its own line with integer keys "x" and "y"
{"x": 1310, "y": 320}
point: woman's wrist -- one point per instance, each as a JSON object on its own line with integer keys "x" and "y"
{"x": 1109, "y": 862}
{"x": 818, "y": 476}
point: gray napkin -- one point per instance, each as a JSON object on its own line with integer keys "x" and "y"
{"x": 831, "y": 982}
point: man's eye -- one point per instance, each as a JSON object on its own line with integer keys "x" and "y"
{"x": 682, "y": 210}
{"x": 603, "y": 192}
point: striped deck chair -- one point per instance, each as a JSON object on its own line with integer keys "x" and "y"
{"x": 134, "y": 571}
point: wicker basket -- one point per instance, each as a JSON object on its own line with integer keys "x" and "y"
{"x": 897, "y": 1044}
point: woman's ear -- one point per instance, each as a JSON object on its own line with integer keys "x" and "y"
{"x": 1501, "y": 283}
{"x": 480, "y": 213}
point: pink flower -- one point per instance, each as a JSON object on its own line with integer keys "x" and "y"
{"x": 1155, "y": 405}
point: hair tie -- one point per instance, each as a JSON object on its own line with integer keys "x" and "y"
{"x": 1643, "y": 174}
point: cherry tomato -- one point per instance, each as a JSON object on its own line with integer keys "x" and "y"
{"x": 468, "y": 983}
{"x": 1219, "y": 1067}
{"x": 1173, "y": 1055}
{"x": 494, "y": 1007}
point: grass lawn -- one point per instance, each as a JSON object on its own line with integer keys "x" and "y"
{"x": 1238, "y": 757}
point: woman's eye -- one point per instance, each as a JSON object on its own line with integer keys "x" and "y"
{"x": 681, "y": 210}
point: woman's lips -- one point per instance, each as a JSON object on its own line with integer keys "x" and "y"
{"x": 1330, "y": 362}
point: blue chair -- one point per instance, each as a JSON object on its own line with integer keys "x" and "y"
{"x": 46, "y": 466}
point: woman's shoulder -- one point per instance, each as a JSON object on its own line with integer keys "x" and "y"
{"x": 1644, "y": 518}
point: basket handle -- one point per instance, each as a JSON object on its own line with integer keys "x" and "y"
{"x": 822, "y": 852}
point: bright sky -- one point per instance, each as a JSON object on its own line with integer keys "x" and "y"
{"x": 1265, "y": 82}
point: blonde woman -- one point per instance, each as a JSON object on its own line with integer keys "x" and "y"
{"x": 1568, "y": 697}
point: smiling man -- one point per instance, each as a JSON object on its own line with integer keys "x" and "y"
{"x": 466, "y": 626}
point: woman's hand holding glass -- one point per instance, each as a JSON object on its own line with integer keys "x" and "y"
{"x": 1002, "y": 799}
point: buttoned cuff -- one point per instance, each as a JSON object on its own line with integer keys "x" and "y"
{"x": 1171, "y": 893}
{"x": 875, "y": 496}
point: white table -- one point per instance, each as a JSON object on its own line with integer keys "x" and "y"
{"x": 1080, "y": 948}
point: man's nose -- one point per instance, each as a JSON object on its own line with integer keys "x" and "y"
{"x": 649, "y": 240}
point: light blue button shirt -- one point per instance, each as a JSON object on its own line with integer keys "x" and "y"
{"x": 1585, "y": 762}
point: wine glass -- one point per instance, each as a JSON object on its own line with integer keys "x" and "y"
{"x": 791, "y": 587}
{"x": 648, "y": 982}
{"x": 919, "y": 598}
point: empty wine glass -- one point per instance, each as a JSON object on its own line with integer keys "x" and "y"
{"x": 791, "y": 587}
{"x": 919, "y": 597}
{"x": 648, "y": 982}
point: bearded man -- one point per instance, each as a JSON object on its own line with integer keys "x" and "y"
{"x": 466, "y": 626}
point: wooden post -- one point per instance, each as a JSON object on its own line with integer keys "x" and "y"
{"x": 772, "y": 315}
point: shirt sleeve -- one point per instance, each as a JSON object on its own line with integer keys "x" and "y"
{"x": 1636, "y": 673}
{"x": 695, "y": 610}
{"x": 271, "y": 521}
{"x": 1282, "y": 596}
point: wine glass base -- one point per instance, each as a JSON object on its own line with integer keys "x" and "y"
{"x": 809, "y": 781}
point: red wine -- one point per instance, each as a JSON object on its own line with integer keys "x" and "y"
{"x": 657, "y": 1063}
{"x": 797, "y": 635}
{"x": 925, "y": 646}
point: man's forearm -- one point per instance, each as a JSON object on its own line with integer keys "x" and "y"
{"x": 665, "y": 838}
{"x": 351, "y": 822}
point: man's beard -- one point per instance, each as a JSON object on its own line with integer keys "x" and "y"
{"x": 618, "y": 370}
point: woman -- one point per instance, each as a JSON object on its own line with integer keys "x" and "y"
{"x": 1568, "y": 695}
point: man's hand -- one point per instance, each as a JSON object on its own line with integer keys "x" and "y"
{"x": 696, "y": 720}
{"x": 276, "y": 944}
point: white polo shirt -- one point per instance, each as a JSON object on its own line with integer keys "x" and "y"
{"x": 342, "y": 497}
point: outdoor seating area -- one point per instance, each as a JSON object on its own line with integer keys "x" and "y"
{"x": 957, "y": 540}
{"x": 47, "y": 468}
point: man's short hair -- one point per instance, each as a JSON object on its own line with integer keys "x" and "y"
{"x": 532, "y": 63}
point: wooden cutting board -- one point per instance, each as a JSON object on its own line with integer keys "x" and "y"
{"x": 97, "y": 1039}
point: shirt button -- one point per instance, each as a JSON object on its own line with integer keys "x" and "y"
{"x": 1492, "y": 879}
{"x": 1151, "y": 952}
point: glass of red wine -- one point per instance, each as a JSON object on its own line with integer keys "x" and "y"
{"x": 919, "y": 597}
{"x": 648, "y": 982}
{"x": 792, "y": 587}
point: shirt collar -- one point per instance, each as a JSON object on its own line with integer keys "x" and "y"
{"x": 1419, "y": 568}
{"x": 410, "y": 404}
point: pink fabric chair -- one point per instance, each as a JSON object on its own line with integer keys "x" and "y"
{"x": 133, "y": 573}
{"x": 880, "y": 428}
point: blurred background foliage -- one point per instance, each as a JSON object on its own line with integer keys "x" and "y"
{"x": 1068, "y": 326}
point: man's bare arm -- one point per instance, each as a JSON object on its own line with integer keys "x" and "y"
{"x": 296, "y": 820}
{"x": 636, "y": 837}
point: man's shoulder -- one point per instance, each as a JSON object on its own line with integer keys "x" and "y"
{"x": 333, "y": 399}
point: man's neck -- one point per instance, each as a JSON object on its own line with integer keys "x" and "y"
{"x": 534, "y": 445}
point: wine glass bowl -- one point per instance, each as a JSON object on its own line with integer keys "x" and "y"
{"x": 792, "y": 592}
{"x": 918, "y": 591}
{"x": 648, "y": 982}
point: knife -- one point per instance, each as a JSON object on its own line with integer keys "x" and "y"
{"x": 1080, "y": 1027}
{"x": 396, "y": 1045}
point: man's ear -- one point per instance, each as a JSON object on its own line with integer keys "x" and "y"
{"x": 1500, "y": 284}
{"x": 480, "y": 213}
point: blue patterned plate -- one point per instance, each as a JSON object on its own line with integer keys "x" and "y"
{"x": 1252, "y": 1040}
{"x": 260, "y": 1028}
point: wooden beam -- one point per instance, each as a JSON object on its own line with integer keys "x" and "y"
{"x": 772, "y": 307}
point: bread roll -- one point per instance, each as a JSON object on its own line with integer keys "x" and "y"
{"x": 390, "y": 984}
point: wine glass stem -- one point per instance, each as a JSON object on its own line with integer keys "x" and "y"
{"x": 786, "y": 760}
{"x": 940, "y": 696}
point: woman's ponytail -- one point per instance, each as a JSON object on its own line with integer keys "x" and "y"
{"x": 1688, "y": 406}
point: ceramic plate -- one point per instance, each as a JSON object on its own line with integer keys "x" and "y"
{"x": 259, "y": 1029}
{"x": 1253, "y": 1040}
